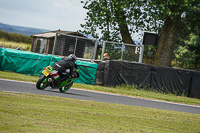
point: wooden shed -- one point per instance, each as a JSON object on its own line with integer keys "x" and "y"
{"x": 64, "y": 43}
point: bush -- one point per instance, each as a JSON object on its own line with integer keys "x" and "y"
{"x": 15, "y": 37}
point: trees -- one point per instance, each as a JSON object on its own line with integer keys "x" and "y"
{"x": 173, "y": 13}
{"x": 194, "y": 48}
{"x": 118, "y": 20}
{"x": 187, "y": 55}
{"x": 187, "y": 52}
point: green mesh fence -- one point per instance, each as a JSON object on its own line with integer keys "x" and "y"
{"x": 30, "y": 63}
{"x": 87, "y": 72}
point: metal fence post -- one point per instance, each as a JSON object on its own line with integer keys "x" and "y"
{"x": 122, "y": 52}
{"x": 75, "y": 46}
{"x": 141, "y": 53}
{"x": 95, "y": 50}
{"x": 103, "y": 50}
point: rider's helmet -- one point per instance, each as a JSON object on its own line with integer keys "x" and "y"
{"x": 18, "y": 48}
{"x": 71, "y": 57}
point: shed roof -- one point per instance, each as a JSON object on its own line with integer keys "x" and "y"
{"x": 46, "y": 35}
{"x": 53, "y": 34}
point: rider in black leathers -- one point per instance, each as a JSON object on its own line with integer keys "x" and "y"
{"x": 65, "y": 68}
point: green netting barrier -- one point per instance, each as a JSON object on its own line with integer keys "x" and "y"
{"x": 30, "y": 63}
{"x": 1, "y": 56}
{"x": 23, "y": 62}
{"x": 87, "y": 72}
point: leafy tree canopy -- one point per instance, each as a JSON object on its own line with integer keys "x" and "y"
{"x": 119, "y": 20}
{"x": 145, "y": 15}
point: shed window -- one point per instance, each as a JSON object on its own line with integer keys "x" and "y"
{"x": 40, "y": 45}
{"x": 89, "y": 51}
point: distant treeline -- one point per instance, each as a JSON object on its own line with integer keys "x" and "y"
{"x": 15, "y": 37}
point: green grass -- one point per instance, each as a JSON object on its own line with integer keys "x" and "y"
{"x": 35, "y": 113}
{"x": 14, "y": 45}
{"x": 17, "y": 76}
{"x": 123, "y": 90}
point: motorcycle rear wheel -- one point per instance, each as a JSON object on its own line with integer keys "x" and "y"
{"x": 66, "y": 88}
{"x": 42, "y": 83}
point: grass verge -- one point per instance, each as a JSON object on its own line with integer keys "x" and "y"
{"x": 14, "y": 45}
{"x": 124, "y": 90}
{"x": 35, "y": 113}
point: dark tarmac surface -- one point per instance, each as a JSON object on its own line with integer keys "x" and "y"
{"x": 24, "y": 87}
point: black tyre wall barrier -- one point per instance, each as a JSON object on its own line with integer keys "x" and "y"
{"x": 163, "y": 79}
{"x": 100, "y": 74}
{"x": 171, "y": 80}
{"x": 122, "y": 72}
{"x": 195, "y": 85}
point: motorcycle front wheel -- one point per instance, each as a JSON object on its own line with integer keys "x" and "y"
{"x": 42, "y": 83}
{"x": 66, "y": 88}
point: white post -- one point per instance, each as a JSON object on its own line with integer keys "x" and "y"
{"x": 103, "y": 50}
{"x": 95, "y": 50}
{"x": 141, "y": 53}
{"x": 75, "y": 46}
{"x": 122, "y": 51}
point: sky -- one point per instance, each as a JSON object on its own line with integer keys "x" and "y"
{"x": 43, "y": 14}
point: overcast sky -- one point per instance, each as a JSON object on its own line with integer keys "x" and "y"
{"x": 44, "y": 14}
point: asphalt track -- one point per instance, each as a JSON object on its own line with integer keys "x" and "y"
{"x": 25, "y": 87}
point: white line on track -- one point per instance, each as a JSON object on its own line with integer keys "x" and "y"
{"x": 13, "y": 91}
{"x": 17, "y": 81}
